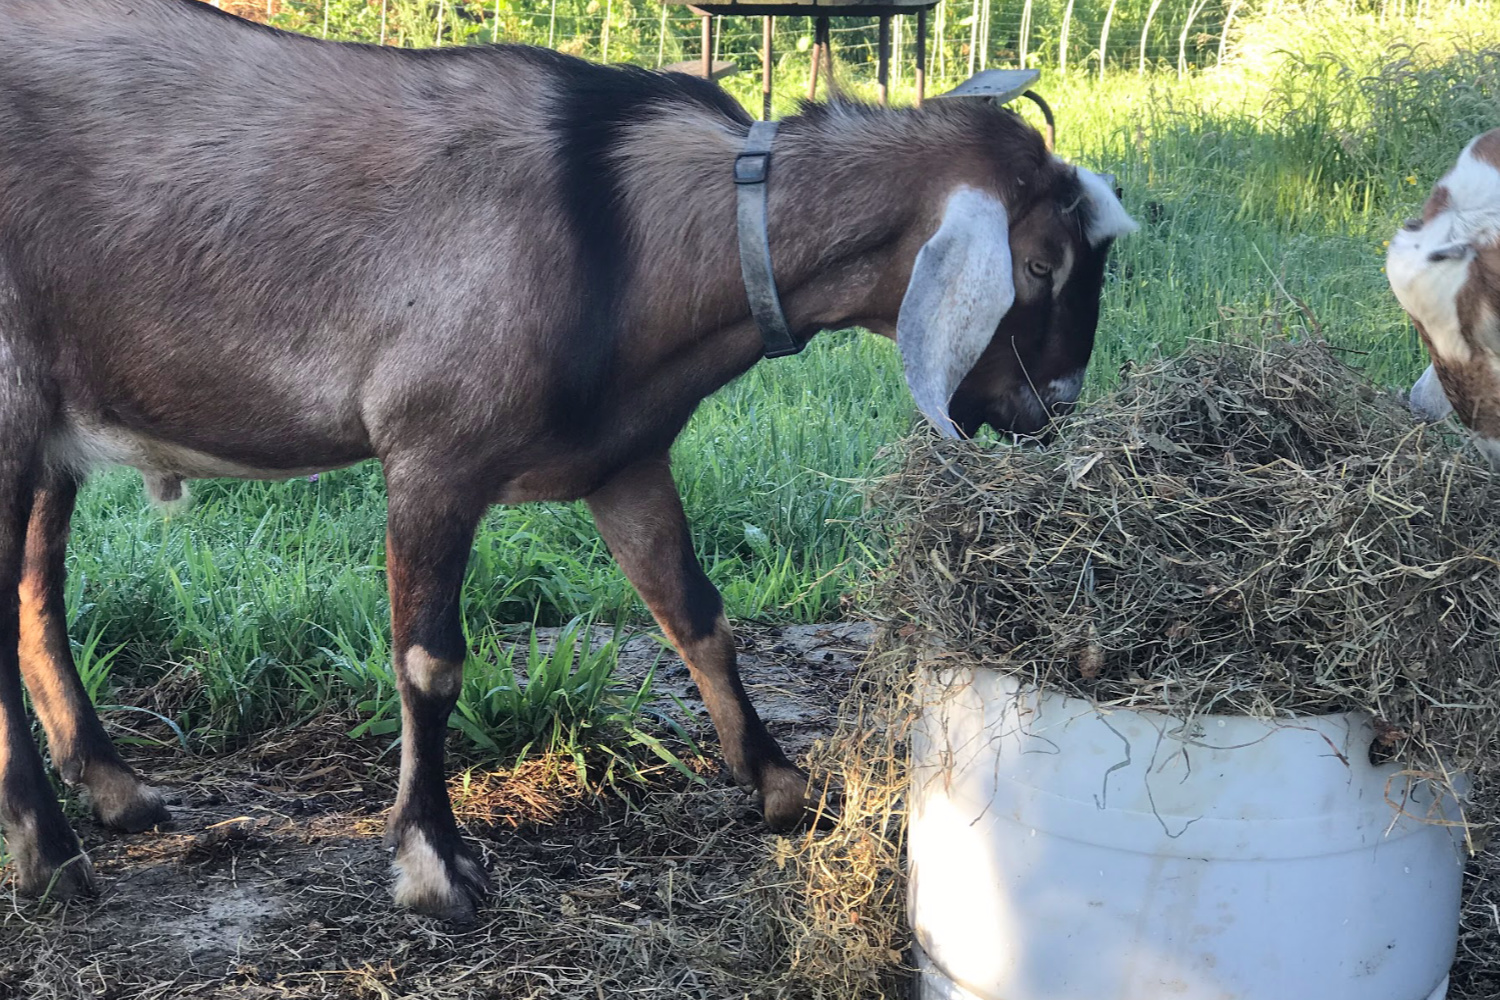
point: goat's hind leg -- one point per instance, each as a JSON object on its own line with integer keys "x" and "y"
{"x": 81, "y": 751}
{"x": 43, "y": 849}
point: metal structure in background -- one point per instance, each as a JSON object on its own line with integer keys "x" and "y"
{"x": 1003, "y": 86}
{"x": 822, "y": 54}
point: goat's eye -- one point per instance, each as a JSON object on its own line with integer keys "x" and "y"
{"x": 1412, "y": 225}
{"x": 1039, "y": 269}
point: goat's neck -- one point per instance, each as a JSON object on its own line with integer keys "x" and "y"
{"x": 838, "y": 235}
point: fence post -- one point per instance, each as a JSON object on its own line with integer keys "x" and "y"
{"x": 921, "y": 69}
{"x": 973, "y": 36}
{"x": 984, "y": 35}
{"x": 1224, "y": 35}
{"x": 1194, "y": 10}
{"x": 1104, "y": 40}
{"x": 1025, "y": 32}
{"x": 1062, "y": 45}
{"x": 1150, "y": 13}
{"x": 767, "y": 61}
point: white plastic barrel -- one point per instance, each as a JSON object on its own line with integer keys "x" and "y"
{"x": 1062, "y": 852}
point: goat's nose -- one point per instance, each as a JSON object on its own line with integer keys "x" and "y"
{"x": 1064, "y": 391}
{"x": 1428, "y": 401}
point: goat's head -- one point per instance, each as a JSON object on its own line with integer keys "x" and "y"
{"x": 998, "y": 320}
{"x": 1445, "y": 269}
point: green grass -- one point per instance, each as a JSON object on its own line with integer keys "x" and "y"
{"x": 1266, "y": 190}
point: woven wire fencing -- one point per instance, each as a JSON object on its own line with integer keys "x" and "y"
{"x": 963, "y": 37}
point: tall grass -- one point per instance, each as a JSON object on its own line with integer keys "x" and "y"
{"x": 1266, "y": 188}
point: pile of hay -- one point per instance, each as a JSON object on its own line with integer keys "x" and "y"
{"x": 1243, "y": 529}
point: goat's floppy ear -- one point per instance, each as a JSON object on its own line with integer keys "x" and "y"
{"x": 1107, "y": 218}
{"x": 961, "y": 287}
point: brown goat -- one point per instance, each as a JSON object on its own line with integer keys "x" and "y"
{"x": 507, "y": 274}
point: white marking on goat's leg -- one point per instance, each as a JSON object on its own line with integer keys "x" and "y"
{"x": 432, "y": 676}
{"x": 47, "y": 866}
{"x": 427, "y": 544}
{"x": 1064, "y": 391}
{"x": 425, "y": 883}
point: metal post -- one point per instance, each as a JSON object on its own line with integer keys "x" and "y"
{"x": 708, "y": 48}
{"x": 820, "y": 49}
{"x": 921, "y": 56}
{"x": 883, "y": 66}
{"x": 767, "y": 30}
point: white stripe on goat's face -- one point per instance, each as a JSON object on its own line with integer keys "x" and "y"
{"x": 1444, "y": 268}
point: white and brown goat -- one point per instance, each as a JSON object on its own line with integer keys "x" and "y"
{"x": 508, "y": 274}
{"x": 1445, "y": 270}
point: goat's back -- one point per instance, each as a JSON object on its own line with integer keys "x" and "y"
{"x": 299, "y": 217}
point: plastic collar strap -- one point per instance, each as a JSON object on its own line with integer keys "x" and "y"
{"x": 751, "y": 168}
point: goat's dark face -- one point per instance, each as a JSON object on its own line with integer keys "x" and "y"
{"x": 1033, "y": 367}
{"x": 1001, "y": 333}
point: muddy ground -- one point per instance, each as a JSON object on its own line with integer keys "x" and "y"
{"x": 273, "y": 881}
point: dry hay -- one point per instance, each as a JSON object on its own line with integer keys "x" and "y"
{"x": 1244, "y": 529}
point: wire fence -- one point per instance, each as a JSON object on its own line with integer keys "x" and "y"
{"x": 964, "y": 36}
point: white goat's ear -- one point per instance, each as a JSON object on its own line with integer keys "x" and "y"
{"x": 961, "y": 287}
{"x": 1108, "y": 218}
{"x": 1428, "y": 401}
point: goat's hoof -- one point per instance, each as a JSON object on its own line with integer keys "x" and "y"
{"x": 439, "y": 878}
{"x": 784, "y": 798}
{"x": 50, "y": 867}
{"x": 123, "y": 802}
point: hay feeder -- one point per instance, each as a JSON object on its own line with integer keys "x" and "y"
{"x": 1061, "y": 851}
{"x": 1206, "y": 705}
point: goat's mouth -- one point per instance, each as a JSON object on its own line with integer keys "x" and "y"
{"x": 1022, "y": 413}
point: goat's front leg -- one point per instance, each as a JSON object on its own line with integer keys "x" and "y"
{"x": 429, "y": 531}
{"x": 81, "y": 750}
{"x": 640, "y": 515}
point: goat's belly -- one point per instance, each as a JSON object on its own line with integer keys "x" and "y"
{"x": 83, "y": 446}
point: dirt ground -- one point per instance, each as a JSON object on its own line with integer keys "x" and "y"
{"x": 273, "y": 882}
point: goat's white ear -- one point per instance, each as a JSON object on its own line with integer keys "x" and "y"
{"x": 1108, "y": 220}
{"x": 961, "y": 287}
{"x": 1428, "y": 401}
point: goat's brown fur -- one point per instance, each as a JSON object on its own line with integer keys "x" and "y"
{"x": 507, "y": 274}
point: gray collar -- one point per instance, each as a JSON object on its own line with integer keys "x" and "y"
{"x": 751, "y": 168}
